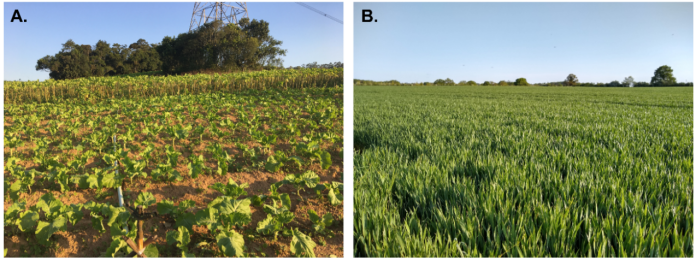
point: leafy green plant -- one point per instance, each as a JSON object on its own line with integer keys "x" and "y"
{"x": 268, "y": 140}
{"x": 5, "y": 186}
{"x": 222, "y": 157}
{"x": 172, "y": 156}
{"x": 275, "y": 162}
{"x": 230, "y": 243}
{"x": 13, "y": 141}
{"x": 23, "y": 179}
{"x": 134, "y": 168}
{"x": 146, "y": 154}
{"x": 199, "y": 131}
{"x": 196, "y": 166}
{"x": 232, "y": 189}
{"x": 180, "y": 238}
{"x": 180, "y": 214}
{"x": 335, "y": 195}
{"x": 232, "y": 212}
{"x": 308, "y": 149}
{"x": 56, "y": 216}
{"x": 178, "y": 132}
{"x": 320, "y": 223}
{"x": 325, "y": 160}
{"x": 301, "y": 244}
{"x": 273, "y": 165}
{"x": 98, "y": 139}
{"x": 307, "y": 179}
{"x": 166, "y": 172}
{"x": 276, "y": 217}
{"x": 127, "y": 136}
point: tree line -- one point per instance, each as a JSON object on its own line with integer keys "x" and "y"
{"x": 75, "y": 61}
{"x": 663, "y": 76}
{"x": 441, "y": 82}
{"x": 216, "y": 46}
{"x": 213, "y": 47}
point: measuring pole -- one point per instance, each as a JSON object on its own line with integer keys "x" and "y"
{"x": 120, "y": 193}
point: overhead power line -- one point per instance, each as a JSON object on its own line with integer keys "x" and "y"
{"x": 320, "y": 12}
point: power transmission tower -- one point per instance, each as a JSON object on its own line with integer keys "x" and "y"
{"x": 208, "y": 12}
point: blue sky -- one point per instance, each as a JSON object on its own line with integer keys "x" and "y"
{"x": 306, "y": 35}
{"x": 543, "y": 42}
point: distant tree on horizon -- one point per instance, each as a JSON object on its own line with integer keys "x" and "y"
{"x": 628, "y": 82}
{"x": 614, "y": 83}
{"x": 521, "y": 82}
{"x": 571, "y": 80}
{"x": 663, "y": 77}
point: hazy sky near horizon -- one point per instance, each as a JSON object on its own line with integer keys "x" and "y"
{"x": 542, "y": 42}
{"x": 308, "y": 36}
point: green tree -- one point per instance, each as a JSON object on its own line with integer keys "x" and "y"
{"x": 641, "y": 84}
{"x": 49, "y": 63}
{"x": 73, "y": 61}
{"x": 503, "y": 83}
{"x": 269, "y": 51}
{"x": 117, "y": 60}
{"x": 571, "y": 80}
{"x": 663, "y": 77}
{"x": 241, "y": 49}
{"x": 471, "y": 83}
{"x": 214, "y": 46}
{"x": 143, "y": 57}
{"x": 521, "y": 82}
{"x": 98, "y": 59}
{"x": 167, "y": 50}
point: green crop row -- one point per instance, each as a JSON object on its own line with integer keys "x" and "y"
{"x": 222, "y": 217}
{"x": 95, "y": 89}
{"x": 523, "y": 172}
{"x": 53, "y": 130}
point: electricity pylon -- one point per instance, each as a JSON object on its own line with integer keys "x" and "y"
{"x": 208, "y": 12}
